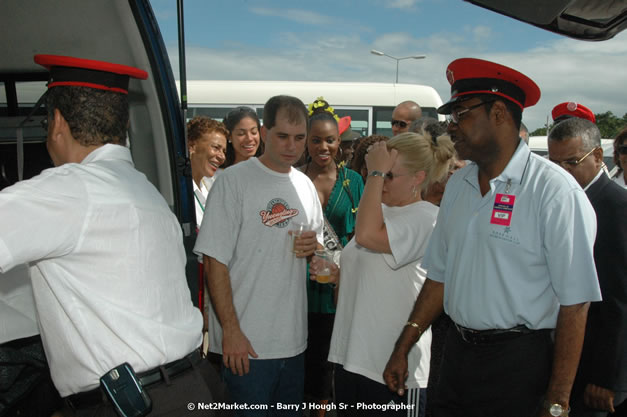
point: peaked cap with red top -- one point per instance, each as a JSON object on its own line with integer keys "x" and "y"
{"x": 571, "y": 109}
{"x": 69, "y": 71}
{"x": 471, "y": 76}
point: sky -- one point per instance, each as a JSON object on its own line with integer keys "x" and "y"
{"x": 327, "y": 40}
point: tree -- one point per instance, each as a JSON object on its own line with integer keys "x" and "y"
{"x": 609, "y": 124}
{"x": 541, "y": 131}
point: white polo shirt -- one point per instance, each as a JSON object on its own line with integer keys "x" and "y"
{"x": 107, "y": 267}
{"x": 498, "y": 276}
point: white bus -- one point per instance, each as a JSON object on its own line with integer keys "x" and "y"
{"x": 369, "y": 105}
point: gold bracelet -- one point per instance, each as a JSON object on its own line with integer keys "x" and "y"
{"x": 414, "y": 325}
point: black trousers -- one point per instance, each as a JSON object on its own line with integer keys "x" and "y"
{"x": 504, "y": 379}
{"x": 178, "y": 398}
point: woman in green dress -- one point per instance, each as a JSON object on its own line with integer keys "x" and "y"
{"x": 339, "y": 190}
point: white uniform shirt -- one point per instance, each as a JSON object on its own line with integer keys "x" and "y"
{"x": 377, "y": 294}
{"x": 17, "y": 305}
{"x": 107, "y": 267}
{"x": 497, "y": 276}
{"x": 247, "y": 217}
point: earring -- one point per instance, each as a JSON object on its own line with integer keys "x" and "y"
{"x": 414, "y": 191}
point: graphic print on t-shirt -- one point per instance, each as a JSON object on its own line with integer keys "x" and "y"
{"x": 277, "y": 213}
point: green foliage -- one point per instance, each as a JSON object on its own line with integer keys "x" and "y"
{"x": 541, "y": 131}
{"x": 609, "y": 125}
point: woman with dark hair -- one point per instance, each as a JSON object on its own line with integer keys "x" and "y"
{"x": 339, "y": 190}
{"x": 620, "y": 157}
{"x": 206, "y": 141}
{"x": 244, "y": 141}
{"x": 358, "y": 164}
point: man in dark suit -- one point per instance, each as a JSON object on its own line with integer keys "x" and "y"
{"x": 601, "y": 382}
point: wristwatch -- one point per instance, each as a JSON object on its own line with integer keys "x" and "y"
{"x": 376, "y": 174}
{"x": 557, "y": 410}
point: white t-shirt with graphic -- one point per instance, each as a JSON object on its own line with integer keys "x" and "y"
{"x": 377, "y": 295}
{"x": 247, "y": 216}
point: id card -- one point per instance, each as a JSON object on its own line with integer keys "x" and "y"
{"x": 503, "y": 209}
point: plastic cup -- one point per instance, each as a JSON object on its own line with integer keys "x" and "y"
{"x": 297, "y": 229}
{"x": 323, "y": 274}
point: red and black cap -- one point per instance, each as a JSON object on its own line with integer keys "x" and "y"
{"x": 471, "y": 76}
{"x": 570, "y": 109}
{"x": 69, "y": 71}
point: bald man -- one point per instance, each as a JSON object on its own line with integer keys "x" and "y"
{"x": 403, "y": 115}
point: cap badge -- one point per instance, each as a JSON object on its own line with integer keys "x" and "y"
{"x": 450, "y": 76}
{"x": 571, "y": 106}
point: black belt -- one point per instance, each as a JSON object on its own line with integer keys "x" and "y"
{"x": 96, "y": 396}
{"x": 485, "y": 337}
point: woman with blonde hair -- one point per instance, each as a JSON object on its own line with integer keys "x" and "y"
{"x": 381, "y": 274}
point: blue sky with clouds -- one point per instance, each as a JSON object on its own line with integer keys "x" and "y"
{"x": 330, "y": 41}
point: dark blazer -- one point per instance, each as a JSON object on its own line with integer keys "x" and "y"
{"x": 604, "y": 357}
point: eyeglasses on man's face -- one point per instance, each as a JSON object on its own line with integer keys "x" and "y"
{"x": 457, "y": 113}
{"x": 571, "y": 163}
{"x": 400, "y": 123}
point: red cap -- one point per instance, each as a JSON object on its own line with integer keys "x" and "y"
{"x": 470, "y": 76}
{"x": 570, "y": 109}
{"x": 344, "y": 124}
{"x": 69, "y": 71}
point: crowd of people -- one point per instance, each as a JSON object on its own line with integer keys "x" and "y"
{"x": 443, "y": 271}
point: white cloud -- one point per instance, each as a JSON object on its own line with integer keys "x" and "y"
{"x": 590, "y": 73}
{"x": 300, "y": 16}
{"x": 401, "y": 4}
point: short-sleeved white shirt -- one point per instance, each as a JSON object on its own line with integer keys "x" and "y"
{"x": 107, "y": 268}
{"x": 247, "y": 217}
{"x": 497, "y": 276}
{"x": 377, "y": 294}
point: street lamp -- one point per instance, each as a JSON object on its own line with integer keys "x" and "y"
{"x": 379, "y": 53}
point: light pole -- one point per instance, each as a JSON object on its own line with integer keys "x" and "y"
{"x": 379, "y": 53}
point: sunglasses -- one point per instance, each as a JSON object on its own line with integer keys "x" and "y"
{"x": 400, "y": 123}
{"x": 622, "y": 149}
{"x": 390, "y": 176}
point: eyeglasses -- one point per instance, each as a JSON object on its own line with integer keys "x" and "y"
{"x": 622, "y": 150}
{"x": 457, "y": 114}
{"x": 401, "y": 123}
{"x": 44, "y": 123}
{"x": 572, "y": 162}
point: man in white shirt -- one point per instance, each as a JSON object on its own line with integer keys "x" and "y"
{"x": 255, "y": 274}
{"x": 105, "y": 251}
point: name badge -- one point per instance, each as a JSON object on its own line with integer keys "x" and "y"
{"x": 503, "y": 209}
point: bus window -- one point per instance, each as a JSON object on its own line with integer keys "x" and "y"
{"x": 217, "y": 113}
{"x": 359, "y": 119}
{"x": 381, "y": 121}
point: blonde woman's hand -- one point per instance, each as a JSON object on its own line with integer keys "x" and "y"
{"x": 378, "y": 158}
